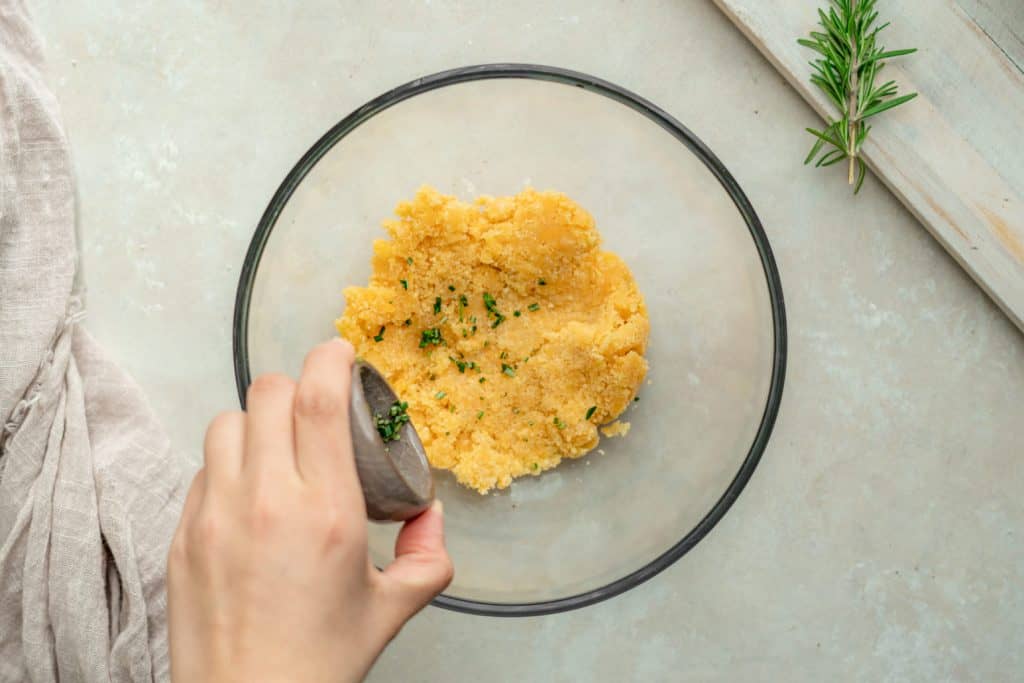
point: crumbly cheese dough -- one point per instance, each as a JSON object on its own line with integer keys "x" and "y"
{"x": 508, "y": 331}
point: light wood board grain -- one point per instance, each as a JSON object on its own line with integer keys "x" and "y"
{"x": 955, "y": 155}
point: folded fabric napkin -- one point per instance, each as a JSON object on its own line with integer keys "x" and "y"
{"x": 89, "y": 491}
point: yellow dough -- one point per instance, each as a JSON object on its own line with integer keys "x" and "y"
{"x": 501, "y": 391}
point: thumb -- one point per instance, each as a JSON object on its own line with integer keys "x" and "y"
{"x": 421, "y": 568}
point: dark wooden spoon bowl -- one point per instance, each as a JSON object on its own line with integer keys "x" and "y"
{"x": 395, "y": 475}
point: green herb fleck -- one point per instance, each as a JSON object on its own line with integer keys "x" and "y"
{"x": 389, "y": 426}
{"x": 480, "y": 415}
{"x": 492, "y": 308}
{"x": 636, "y": 398}
{"x": 405, "y": 284}
{"x": 482, "y": 380}
{"x": 408, "y": 321}
{"x": 504, "y": 354}
{"x": 541, "y": 282}
{"x": 536, "y": 466}
{"x": 533, "y": 307}
{"x": 517, "y": 313}
{"x": 460, "y": 364}
{"x": 590, "y": 412}
{"x": 408, "y": 259}
{"x": 430, "y": 336}
{"x": 451, "y": 288}
{"x": 437, "y": 305}
{"x": 558, "y": 423}
{"x": 380, "y": 335}
{"x": 439, "y": 395}
{"x": 508, "y": 370}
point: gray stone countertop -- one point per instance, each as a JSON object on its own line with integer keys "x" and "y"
{"x": 881, "y": 536}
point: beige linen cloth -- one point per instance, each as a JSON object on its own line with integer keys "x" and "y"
{"x": 89, "y": 491}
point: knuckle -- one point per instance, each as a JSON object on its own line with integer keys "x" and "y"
{"x": 206, "y": 532}
{"x": 221, "y": 425}
{"x": 263, "y": 515}
{"x": 445, "y": 572}
{"x": 270, "y": 383}
{"x": 177, "y": 556}
{"x": 316, "y": 401}
{"x": 339, "y": 530}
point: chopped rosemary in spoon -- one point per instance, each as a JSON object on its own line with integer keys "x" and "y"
{"x": 390, "y": 426}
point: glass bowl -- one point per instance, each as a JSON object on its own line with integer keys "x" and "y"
{"x": 599, "y": 525}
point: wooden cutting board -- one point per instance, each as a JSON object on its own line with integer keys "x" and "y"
{"x": 955, "y": 155}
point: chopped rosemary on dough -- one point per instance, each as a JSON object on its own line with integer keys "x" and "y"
{"x": 590, "y": 412}
{"x": 533, "y": 307}
{"x": 380, "y": 335}
{"x": 431, "y": 335}
{"x": 492, "y": 307}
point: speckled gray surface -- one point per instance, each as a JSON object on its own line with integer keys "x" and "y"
{"x": 880, "y": 537}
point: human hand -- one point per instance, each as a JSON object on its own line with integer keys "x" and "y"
{"x": 269, "y": 578}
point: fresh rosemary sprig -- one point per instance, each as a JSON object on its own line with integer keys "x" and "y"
{"x": 850, "y": 60}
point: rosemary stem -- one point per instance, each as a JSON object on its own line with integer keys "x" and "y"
{"x": 851, "y": 107}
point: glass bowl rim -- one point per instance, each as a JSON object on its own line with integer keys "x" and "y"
{"x": 673, "y": 127}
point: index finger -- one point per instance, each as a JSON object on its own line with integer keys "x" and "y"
{"x": 323, "y": 440}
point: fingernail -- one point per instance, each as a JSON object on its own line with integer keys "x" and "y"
{"x": 438, "y": 506}
{"x": 344, "y": 344}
